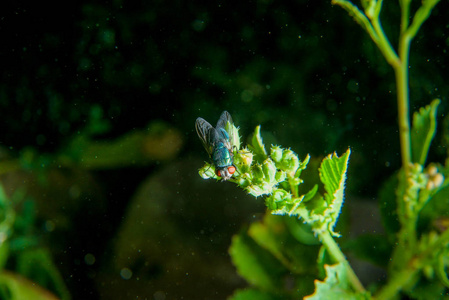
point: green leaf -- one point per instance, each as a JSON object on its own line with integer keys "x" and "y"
{"x": 336, "y": 286}
{"x": 441, "y": 267}
{"x": 274, "y": 235}
{"x": 257, "y": 146}
{"x": 259, "y": 267}
{"x": 251, "y": 294}
{"x": 311, "y": 194}
{"x": 333, "y": 176}
{"x": 423, "y": 131}
{"x": 425, "y": 289}
{"x": 301, "y": 231}
{"x": 7, "y": 215}
{"x": 15, "y": 287}
{"x": 38, "y": 265}
{"x": 4, "y": 253}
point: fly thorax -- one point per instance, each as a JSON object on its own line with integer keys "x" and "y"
{"x": 221, "y": 156}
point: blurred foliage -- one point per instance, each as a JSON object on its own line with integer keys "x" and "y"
{"x": 110, "y": 87}
{"x": 266, "y": 62}
{"x": 22, "y": 251}
{"x": 272, "y": 256}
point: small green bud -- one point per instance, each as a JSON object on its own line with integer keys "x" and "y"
{"x": 233, "y": 135}
{"x": 370, "y": 7}
{"x": 267, "y": 187}
{"x": 276, "y": 153}
{"x": 257, "y": 172}
{"x": 278, "y": 199}
{"x": 280, "y": 195}
{"x": 255, "y": 190}
{"x": 270, "y": 203}
{"x": 207, "y": 171}
{"x": 269, "y": 170}
{"x": 295, "y": 181}
{"x": 243, "y": 158}
{"x": 289, "y": 162}
{"x": 416, "y": 169}
{"x": 280, "y": 176}
{"x": 244, "y": 180}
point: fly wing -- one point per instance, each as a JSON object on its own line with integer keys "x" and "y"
{"x": 223, "y": 134}
{"x": 206, "y": 133}
{"x": 224, "y": 118}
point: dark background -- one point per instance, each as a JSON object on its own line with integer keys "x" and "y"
{"x": 304, "y": 70}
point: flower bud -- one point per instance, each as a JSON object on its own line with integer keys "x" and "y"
{"x": 255, "y": 190}
{"x": 207, "y": 171}
{"x": 244, "y": 157}
{"x": 432, "y": 170}
{"x": 276, "y": 153}
{"x": 269, "y": 170}
{"x": 270, "y": 203}
{"x": 438, "y": 179}
{"x": 278, "y": 200}
{"x": 257, "y": 172}
{"x": 280, "y": 176}
{"x": 244, "y": 180}
{"x": 280, "y": 195}
{"x": 289, "y": 162}
{"x": 434, "y": 179}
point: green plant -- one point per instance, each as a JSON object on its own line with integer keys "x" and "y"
{"x": 27, "y": 270}
{"x": 274, "y": 255}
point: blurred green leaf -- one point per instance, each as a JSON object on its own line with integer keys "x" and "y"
{"x": 7, "y": 215}
{"x": 425, "y": 290}
{"x": 15, "y": 287}
{"x": 301, "y": 231}
{"x": 436, "y": 207}
{"x": 139, "y": 147}
{"x": 274, "y": 235}
{"x": 441, "y": 265}
{"x": 423, "y": 131}
{"x": 251, "y": 294}
{"x": 97, "y": 123}
{"x": 259, "y": 267}
{"x": 4, "y": 253}
{"x": 37, "y": 265}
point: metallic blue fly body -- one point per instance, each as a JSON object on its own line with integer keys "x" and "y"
{"x": 217, "y": 143}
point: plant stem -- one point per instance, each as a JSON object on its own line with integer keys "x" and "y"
{"x": 401, "y": 72}
{"x": 293, "y": 186}
{"x": 414, "y": 265}
{"x": 334, "y": 250}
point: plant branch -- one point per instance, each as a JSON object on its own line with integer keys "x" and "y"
{"x": 414, "y": 265}
{"x": 401, "y": 72}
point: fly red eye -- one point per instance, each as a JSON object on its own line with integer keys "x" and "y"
{"x": 218, "y": 173}
{"x": 231, "y": 169}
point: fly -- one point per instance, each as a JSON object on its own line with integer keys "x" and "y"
{"x": 217, "y": 144}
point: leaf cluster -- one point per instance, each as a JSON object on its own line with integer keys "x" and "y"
{"x": 260, "y": 254}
